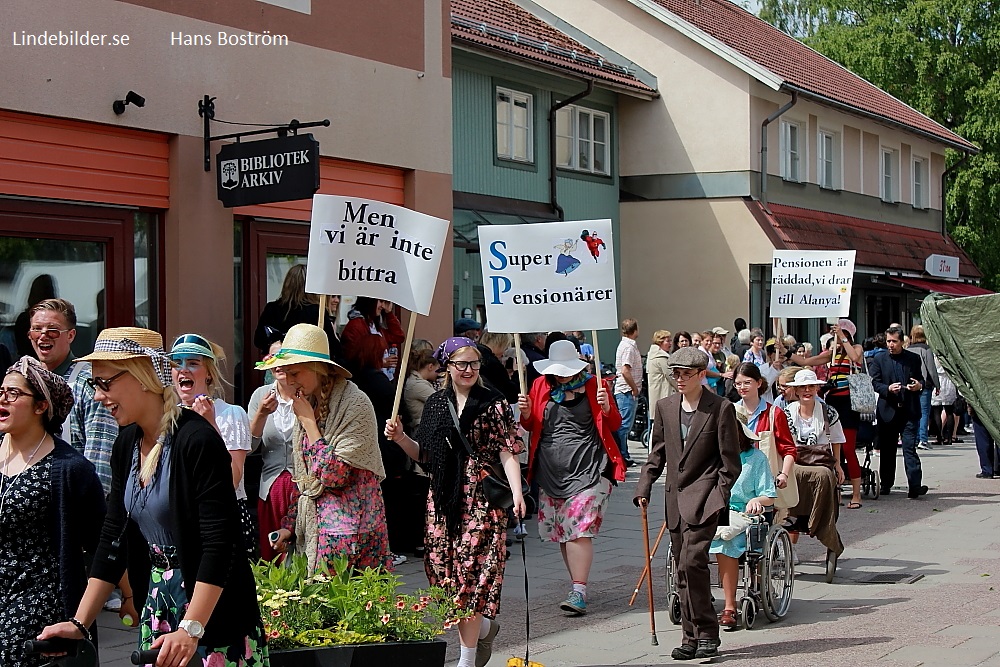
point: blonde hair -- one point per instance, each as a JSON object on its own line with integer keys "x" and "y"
{"x": 479, "y": 378}
{"x": 141, "y": 368}
{"x": 732, "y": 361}
{"x": 216, "y": 382}
{"x": 660, "y": 335}
{"x": 496, "y": 341}
{"x": 789, "y": 373}
{"x": 327, "y": 380}
{"x": 917, "y": 334}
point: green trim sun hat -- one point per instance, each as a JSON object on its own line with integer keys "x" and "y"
{"x": 303, "y": 343}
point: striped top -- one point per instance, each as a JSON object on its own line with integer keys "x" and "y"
{"x": 840, "y": 368}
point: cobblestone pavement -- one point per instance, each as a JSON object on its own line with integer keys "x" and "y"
{"x": 949, "y": 616}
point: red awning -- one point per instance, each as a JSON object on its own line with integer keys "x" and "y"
{"x": 944, "y": 287}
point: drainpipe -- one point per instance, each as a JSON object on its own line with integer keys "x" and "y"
{"x": 553, "y": 197}
{"x": 763, "y": 146}
{"x": 944, "y": 190}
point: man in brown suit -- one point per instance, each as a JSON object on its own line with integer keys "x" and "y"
{"x": 697, "y": 432}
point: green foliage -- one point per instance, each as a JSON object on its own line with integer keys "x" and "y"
{"x": 343, "y": 606}
{"x": 942, "y": 57}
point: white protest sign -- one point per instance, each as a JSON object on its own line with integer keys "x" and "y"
{"x": 811, "y": 283}
{"x": 370, "y": 248}
{"x": 549, "y": 276}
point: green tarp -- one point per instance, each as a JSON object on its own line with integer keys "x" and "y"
{"x": 965, "y": 334}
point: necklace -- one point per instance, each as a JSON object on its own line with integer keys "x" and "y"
{"x": 9, "y": 483}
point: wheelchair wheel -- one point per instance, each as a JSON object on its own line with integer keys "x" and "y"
{"x": 876, "y": 485}
{"x": 748, "y": 613}
{"x": 674, "y": 608}
{"x": 831, "y": 565}
{"x": 777, "y": 574}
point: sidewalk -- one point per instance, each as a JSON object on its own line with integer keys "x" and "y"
{"x": 949, "y": 616}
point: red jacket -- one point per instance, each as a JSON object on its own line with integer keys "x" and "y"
{"x": 606, "y": 424}
{"x": 782, "y": 434}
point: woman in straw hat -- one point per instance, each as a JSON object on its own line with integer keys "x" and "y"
{"x": 465, "y": 550}
{"x": 51, "y": 509}
{"x": 337, "y": 509}
{"x": 172, "y": 522}
{"x": 200, "y": 387}
{"x": 574, "y": 458}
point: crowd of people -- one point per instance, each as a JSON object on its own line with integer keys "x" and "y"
{"x": 135, "y": 465}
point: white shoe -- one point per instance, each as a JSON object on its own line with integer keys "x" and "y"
{"x": 398, "y": 559}
{"x": 520, "y": 532}
{"x": 114, "y": 603}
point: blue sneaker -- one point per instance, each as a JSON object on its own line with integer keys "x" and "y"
{"x": 574, "y": 604}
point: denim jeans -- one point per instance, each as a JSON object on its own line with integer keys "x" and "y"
{"x": 925, "y": 414}
{"x": 902, "y": 428}
{"x": 985, "y": 446}
{"x": 626, "y": 406}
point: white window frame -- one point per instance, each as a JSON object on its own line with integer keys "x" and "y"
{"x": 792, "y": 152}
{"x": 828, "y": 156}
{"x": 508, "y": 152}
{"x": 574, "y": 113}
{"x": 888, "y": 191}
{"x": 919, "y": 182}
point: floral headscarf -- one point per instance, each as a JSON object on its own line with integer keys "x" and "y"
{"x": 49, "y": 387}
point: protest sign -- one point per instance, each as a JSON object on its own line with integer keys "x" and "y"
{"x": 811, "y": 283}
{"x": 370, "y": 248}
{"x": 549, "y": 276}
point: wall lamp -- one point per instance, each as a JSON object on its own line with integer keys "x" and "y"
{"x": 132, "y": 98}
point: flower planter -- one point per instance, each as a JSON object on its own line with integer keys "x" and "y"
{"x": 411, "y": 654}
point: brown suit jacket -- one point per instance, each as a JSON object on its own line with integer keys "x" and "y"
{"x": 701, "y": 475}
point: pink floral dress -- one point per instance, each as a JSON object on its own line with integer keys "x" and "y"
{"x": 471, "y": 565}
{"x": 350, "y": 513}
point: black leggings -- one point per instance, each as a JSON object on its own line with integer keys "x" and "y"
{"x": 944, "y": 430}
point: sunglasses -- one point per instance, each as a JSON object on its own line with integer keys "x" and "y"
{"x": 104, "y": 384}
{"x": 35, "y": 333}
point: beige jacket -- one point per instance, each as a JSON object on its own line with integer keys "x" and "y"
{"x": 661, "y": 384}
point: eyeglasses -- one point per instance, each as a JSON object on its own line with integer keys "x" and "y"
{"x": 684, "y": 375}
{"x": 35, "y": 333}
{"x": 466, "y": 365}
{"x": 102, "y": 384}
{"x": 740, "y": 384}
{"x": 11, "y": 394}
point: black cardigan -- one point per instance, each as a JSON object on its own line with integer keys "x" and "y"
{"x": 205, "y": 526}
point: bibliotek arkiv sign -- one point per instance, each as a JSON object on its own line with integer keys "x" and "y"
{"x": 272, "y": 170}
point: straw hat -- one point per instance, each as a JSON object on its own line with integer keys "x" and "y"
{"x": 123, "y": 343}
{"x": 804, "y": 378}
{"x": 303, "y": 343}
{"x": 563, "y": 360}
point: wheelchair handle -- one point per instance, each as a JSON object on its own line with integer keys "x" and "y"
{"x": 147, "y": 657}
{"x": 55, "y": 645}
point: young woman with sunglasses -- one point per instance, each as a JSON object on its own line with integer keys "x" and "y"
{"x": 173, "y": 521}
{"x": 51, "y": 509}
{"x": 465, "y": 550}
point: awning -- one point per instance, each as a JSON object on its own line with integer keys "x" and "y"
{"x": 943, "y": 287}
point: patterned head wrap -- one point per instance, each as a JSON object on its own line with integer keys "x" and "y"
{"x": 49, "y": 386}
{"x": 161, "y": 362}
{"x": 450, "y": 347}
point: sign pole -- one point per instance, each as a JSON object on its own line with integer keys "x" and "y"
{"x": 523, "y": 381}
{"x": 401, "y": 368}
{"x": 598, "y": 369}
{"x": 322, "y": 311}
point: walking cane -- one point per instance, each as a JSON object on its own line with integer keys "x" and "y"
{"x": 649, "y": 581}
{"x": 649, "y": 564}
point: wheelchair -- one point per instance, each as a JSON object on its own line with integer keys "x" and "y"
{"x": 767, "y": 575}
{"x": 871, "y": 483}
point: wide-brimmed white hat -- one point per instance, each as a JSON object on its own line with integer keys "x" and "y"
{"x": 563, "y": 360}
{"x": 302, "y": 343}
{"x": 804, "y": 378}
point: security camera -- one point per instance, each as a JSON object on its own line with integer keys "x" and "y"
{"x": 131, "y": 98}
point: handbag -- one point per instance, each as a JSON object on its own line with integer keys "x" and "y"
{"x": 492, "y": 478}
{"x": 864, "y": 400}
{"x": 788, "y": 496}
{"x": 738, "y": 522}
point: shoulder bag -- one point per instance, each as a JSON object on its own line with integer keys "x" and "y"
{"x": 788, "y": 496}
{"x": 863, "y": 397}
{"x": 492, "y": 478}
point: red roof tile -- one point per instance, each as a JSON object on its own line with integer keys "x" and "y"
{"x": 504, "y": 26}
{"x": 878, "y": 244}
{"x": 799, "y": 65}
{"x": 944, "y": 287}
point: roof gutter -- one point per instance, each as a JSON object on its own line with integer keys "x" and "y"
{"x": 553, "y": 194}
{"x": 847, "y": 108}
{"x": 944, "y": 190}
{"x": 763, "y": 146}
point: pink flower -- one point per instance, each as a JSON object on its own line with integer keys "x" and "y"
{"x": 162, "y": 626}
{"x": 385, "y": 619}
{"x": 274, "y": 634}
{"x": 216, "y": 659}
{"x": 247, "y": 650}
{"x": 417, "y": 607}
{"x": 168, "y": 575}
{"x": 382, "y": 598}
{"x": 425, "y": 598}
{"x": 368, "y": 605}
{"x": 275, "y": 613}
{"x": 401, "y": 604}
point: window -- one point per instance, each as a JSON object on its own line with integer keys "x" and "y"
{"x": 582, "y": 140}
{"x": 828, "y": 164}
{"x": 791, "y": 151}
{"x": 887, "y": 187}
{"x": 514, "y": 121}
{"x": 919, "y": 183}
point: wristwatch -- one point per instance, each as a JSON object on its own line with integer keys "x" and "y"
{"x": 194, "y": 629}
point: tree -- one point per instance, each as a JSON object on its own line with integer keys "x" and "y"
{"x": 942, "y": 57}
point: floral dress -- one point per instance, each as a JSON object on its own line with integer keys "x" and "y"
{"x": 471, "y": 565}
{"x": 29, "y": 567}
{"x": 350, "y": 513}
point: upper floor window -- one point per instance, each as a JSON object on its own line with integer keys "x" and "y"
{"x": 919, "y": 183}
{"x": 583, "y": 140}
{"x": 889, "y": 172}
{"x": 514, "y": 126}
{"x": 791, "y": 151}
{"x": 828, "y": 163}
